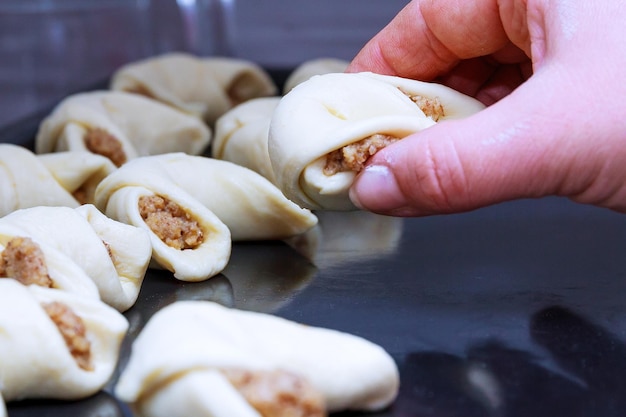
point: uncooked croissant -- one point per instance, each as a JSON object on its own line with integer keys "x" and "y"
{"x": 187, "y": 238}
{"x": 192, "y": 356}
{"x": 206, "y": 87}
{"x": 324, "y": 130}
{"x": 120, "y": 126}
{"x": 251, "y": 206}
{"x": 113, "y": 254}
{"x": 43, "y": 359}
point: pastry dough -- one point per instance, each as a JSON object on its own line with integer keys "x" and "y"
{"x": 241, "y": 135}
{"x": 183, "y": 356}
{"x": 37, "y": 359}
{"x": 26, "y": 182}
{"x": 78, "y": 172}
{"x": 114, "y": 255}
{"x": 62, "y": 271}
{"x": 313, "y": 67}
{"x": 330, "y": 111}
{"x": 251, "y": 206}
{"x": 125, "y": 193}
{"x": 206, "y": 87}
{"x": 120, "y": 126}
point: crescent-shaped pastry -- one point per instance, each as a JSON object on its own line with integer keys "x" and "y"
{"x": 120, "y": 126}
{"x": 241, "y": 135}
{"x": 251, "y": 206}
{"x": 313, "y": 67}
{"x": 78, "y": 172}
{"x": 26, "y": 182}
{"x": 206, "y": 87}
{"x": 114, "y": 255}
{"x": 55, "y": 344}
{"x": 200, "y": 358}
{"x": 187, "y": 238}
{"x": 32, "y": 261}
{"x": 324, "y": 130}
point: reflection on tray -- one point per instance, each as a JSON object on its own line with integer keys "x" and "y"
{"x": 266, "y": 275}
{"x": 102, "y": 404}
{"x": 585, "y": 377}
{"x": 343, "y": 237}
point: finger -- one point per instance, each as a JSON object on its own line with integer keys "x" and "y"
{"x": 429, "y": 37}
{"x": 517, "y": 148}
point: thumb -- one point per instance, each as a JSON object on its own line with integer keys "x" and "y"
{"x": 520, "y": 147}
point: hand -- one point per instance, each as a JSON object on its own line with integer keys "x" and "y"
{"x": 552, "y": 73}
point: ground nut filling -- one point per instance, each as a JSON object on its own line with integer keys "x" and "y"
{"x": 170, "y": 222}
{"x": 73, "y": 330}
{"x": 431, "y": 107}
{"x": 23, "y": 260}
{"x": 277, "y": 393}
{"x": 353, "y": 157}
{"x": 101, "y": 142}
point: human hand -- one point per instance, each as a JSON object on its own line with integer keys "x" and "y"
{"x": 551, "y": 73}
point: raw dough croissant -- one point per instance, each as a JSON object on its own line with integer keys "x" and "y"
{"x": 206, "y": 87}
{"x": 187, "y": 238}
{"x": 25, "y": 181}
{"x": 113, "y": 254}
{"x": 241, "y": 135}
{"x": 39, "y": 361}
{"x": 120, "y": 126}
{"x": 318, "y": 118}
{"x": 190, "y": 355}
{"x": 251, "y": 206}
{"x": 40, "y": 263}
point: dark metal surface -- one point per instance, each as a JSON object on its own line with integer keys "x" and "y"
{"x": 513, "y": 310}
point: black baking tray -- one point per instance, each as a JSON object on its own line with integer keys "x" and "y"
{"x": 517, "y": 309}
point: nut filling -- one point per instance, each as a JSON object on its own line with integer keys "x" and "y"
{"x": 277, "y": 393}
{"x": 73, "y": 330}
{"x": 170, "y": 222}
{"x": 353, "y": 157}
{"x": 23, "y": 260}
{"x": 101, "y": 142}
{"x": 431, "y": 107}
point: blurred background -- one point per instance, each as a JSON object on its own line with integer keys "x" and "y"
{"x": 52, "y": 48}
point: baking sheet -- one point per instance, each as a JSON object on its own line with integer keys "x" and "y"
{"x": 515, "y": 309}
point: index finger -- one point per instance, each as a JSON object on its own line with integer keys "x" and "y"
{"x": 429, "y": 37}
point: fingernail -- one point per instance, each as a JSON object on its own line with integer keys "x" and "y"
{"x": 375, "y": 188}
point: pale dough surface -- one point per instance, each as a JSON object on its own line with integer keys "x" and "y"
{"x": 318, "y": 66}
{"x": 25, "y": 181}
{"x": 241, "y": 135}
{"x": 190, "y": 336}
{"x": 41, "y": 365}
{"x": 143, "y": 126}
{"x": 203, "y": 86}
